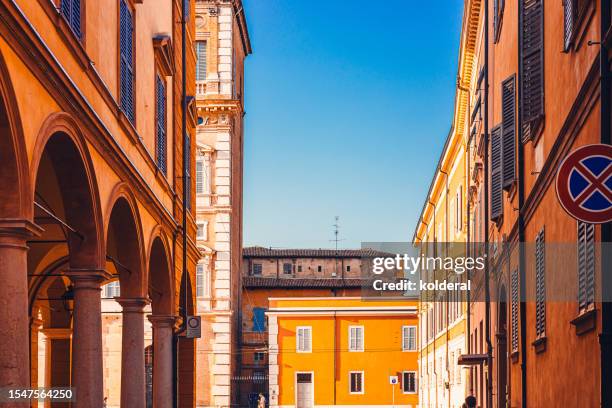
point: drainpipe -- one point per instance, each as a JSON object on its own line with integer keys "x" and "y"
{"x": 447, "y": 231}
{"x": 521, "y": 221}
{"x": 489, "y": 383}
{"x": 605, "y": 338}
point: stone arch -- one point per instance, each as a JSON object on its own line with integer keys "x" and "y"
{"x": 124, "y": 242}
{"x": 160, "y": 277}
{"x": 64, "y": 184}
{"x": 15, "y": 197}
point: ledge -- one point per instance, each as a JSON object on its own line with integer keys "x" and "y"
{"x": 585, "y": 322}
{"x": 539, "y": 344}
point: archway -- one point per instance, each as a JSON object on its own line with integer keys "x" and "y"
{"x": 186, "y": 348}
{"x": 15, "y": 228}
{"x": 502, "y": 348}
{"x": 66, "y": 205}
{"x": 161, "y": 293}
{"x": 126, "y": 261}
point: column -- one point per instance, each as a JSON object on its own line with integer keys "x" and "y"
{"x": 163, "y": 327}
{"x": 14, "y": 320}
{"x": 87, "y": 372}
{"x": 133, "y": 385}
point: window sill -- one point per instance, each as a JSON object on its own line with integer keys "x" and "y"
{"x": 585, "y": 321}
{"x": 539, "y": 344}
{"x": 514, "y": 356}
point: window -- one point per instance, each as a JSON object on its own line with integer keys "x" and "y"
{"x": 540, "y": 286}
{"x": 514, "y": 283}
{"x": 287, "y": 268}
{"x": 299, "y": 268}
{"x": 531, "y": 59}
{"x": 201, "y": 282}
{"x": 71, "y": 11}
{"x": 508, "y": 132}
{"x": 319, "y": 268}
{"x": 356, "y": 382}
{"x": 112, "y": 290}
{"x": 160, "y": 123}
{"x": 348, "y": 268}
{"x": 409, "y": 382}
{"x": 259, "y": 319}
{"x": 201, "y": 231}
{"x": 187, "y": 158}
{"x": 355, "y": 338}
{"x": 256, "y": 271}
{"x": 200, "y": 175}
{"x": 497, "y": 204}
{"x": 498, "y": 12}
{"x": 586, "y": 265}
{"x": 126, "y": 68}
{"x": 201, "y": 60}
{"x": 409, "y": 338}
{"x": 459, "y": 215}
{"x": 458, "y": 367}
{"x": 304, "y": 339}
{"x": 258, "y": 357}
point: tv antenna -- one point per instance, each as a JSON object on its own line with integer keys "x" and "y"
{"x": 336, "y": 226}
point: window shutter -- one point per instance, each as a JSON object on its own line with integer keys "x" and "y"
{"x": 187, "y": 183}
{"x": 497, "y": 205}
{"x": 569, "y": 19}
{"x": 514, "y": 309}
{"x": 160, "y": 146}
{"x": 71, "y": 10}
{"x": 532, "y": 87}
{"x": 201, "y": 60}
{"x": 199, "y": 177}
{"x": 508, "y": 130}
{"x": 586, "y": 265}
{"x": 540, "y": 285}
{"x": 126, "y": 34}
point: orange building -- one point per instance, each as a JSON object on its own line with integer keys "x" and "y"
{"x": 539, "y": 90}
{"x": 344, "y": 351}
{"x": 91, "y": 187}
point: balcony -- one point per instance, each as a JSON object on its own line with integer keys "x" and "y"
{"x": 200, "y": 89}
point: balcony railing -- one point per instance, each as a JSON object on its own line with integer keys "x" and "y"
{"x": 200, "y": 89}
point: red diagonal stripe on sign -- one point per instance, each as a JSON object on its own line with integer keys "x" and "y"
{"x": 597, "y": 183}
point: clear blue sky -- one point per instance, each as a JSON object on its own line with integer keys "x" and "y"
{"x": 348, "y": 104}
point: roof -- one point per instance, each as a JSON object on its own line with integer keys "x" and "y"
{"x": 301, "y": 283}
{"x": 262, "y": 252}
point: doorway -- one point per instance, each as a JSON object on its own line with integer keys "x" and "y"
{"x": 304, "y": 390}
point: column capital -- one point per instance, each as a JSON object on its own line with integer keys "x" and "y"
{"x": 20, "y": 227}
{"x": 133, "y": 305}
{"x": 161, "y": 321}
{"x": 87, "y": 278}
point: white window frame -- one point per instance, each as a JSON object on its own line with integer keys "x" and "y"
{"x": 416, "y": 382}
{"x": 350, "y": 338}
{"x": 202, "y": 279}
{"x": 362, "y": 383}
{"x": 204, "y": 230}
{"x": 299, "y": 349}
{"x": 405, "y": 347}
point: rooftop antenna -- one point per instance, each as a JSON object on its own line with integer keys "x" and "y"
{"x": 336, "y": 226}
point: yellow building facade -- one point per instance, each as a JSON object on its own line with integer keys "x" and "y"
{"x": 442, "y": 231}
{"x": 342, "y": 351}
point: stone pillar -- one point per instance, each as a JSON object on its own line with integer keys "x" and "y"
{"x": 163, "y": 327}
{"x": 132, "y": 353}
{"x": 14, "y": 320}
{"x": 87, "y": 372}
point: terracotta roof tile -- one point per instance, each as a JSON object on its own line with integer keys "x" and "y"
{"x": 262, "y": 252}
{"x": 260, "y": 282}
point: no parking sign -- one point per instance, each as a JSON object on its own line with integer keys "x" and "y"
{"x": 584, "y": 183}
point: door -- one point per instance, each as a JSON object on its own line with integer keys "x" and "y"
{"x": 304, "y": 390}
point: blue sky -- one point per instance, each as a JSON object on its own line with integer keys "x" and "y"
{"x": 348, "y": 104}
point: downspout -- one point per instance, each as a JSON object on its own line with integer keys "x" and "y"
{"x": 335, "y": 355}
{"x": 605, "y": 338}
{"x": 447, "y": 231}
{"x": 521, "y": 220}
{"x": 489, "y": 383}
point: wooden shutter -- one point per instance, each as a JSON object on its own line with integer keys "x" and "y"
{"x": 201, "y": 60}
{"x": 71, "y": 10}
{"x": 532, "y": 84}
{"x": 569, "y": 19}
{"x": 497, "y": 205}
{"x": 160, "y": 145}
{"x": 514, "y": 285}
{"x": 126, "y": 39}
{"x": 508, "y": 130}
{"x": 540, "y": 285}
{"x": 586, "y": 265}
